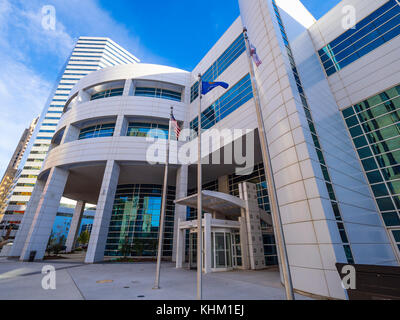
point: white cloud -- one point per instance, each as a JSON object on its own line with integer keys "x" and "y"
{"x": 23, "y": 94}
{"x": 23, "y": 91}
{"x": 30, "y": 55}
{"x": 58, "y": 42}
{"x": 87, "y": 17}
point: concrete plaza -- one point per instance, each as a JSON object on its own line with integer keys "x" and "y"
{"x": 132, "y": 281}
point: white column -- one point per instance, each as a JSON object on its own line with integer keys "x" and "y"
{"x": 207, "y": 243}
{"x": 71, "y": 134}
{"x": 180, "y": 211}
{"x": 180, "y": 247}
{"x": 45, "y": 214}
{"x": 83, "y": 96}
{"x": 244, "y": 245}
{"x": 121, "y": 126}
{"x": 27, "y": 219}
{"x": 253, "y": 223}
{"x": 102, "y": 217}
{"x": 128, "y": 88}
{"x": 75, "y": 225}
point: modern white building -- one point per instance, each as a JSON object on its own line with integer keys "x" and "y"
{"x": 6, "y": 184}
{"x": 330, "y": 99}
{"x": 10, "y": 178}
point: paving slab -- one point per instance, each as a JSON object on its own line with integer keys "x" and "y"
{"x": 133, "y": 281}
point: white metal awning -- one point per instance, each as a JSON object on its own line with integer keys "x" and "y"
{"x": 220, "y": 202}
{"x": 215, "y": 202}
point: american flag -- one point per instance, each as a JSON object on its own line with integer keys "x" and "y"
{"x": 253, "y": 53}
{"x": 177, "y": 129}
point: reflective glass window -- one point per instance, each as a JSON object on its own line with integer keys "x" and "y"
{"x": 107, "y": 93}
{"x": 158, "y": 93}
{"x": 135, "y": 221}
{"x": 234, "y": 98}
{"x": 137, "y": 129}
{"x": 100, "y": 130}
{"x": 370, "y": 33}
{"x": 230, "y": 55}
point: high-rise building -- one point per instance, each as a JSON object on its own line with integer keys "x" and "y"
{"x": 330, "y": 100}
{"x": 12, "y": 168}
{"x": 89, "y": 54}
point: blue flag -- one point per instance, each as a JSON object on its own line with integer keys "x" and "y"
{"x": 207, "y": 86}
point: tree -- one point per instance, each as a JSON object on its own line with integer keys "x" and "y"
{"x": 61, "y": 240}
{"x": 84, "y": 238}
{"x": 138, "y": 245}
{"x": 126, "y": 247}
{"x": 50, "y": 243}
{"x": 56, "y": 248}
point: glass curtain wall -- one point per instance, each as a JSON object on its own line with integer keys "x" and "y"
{"x": 374, "y": 126}
{"x": 135, "y": 221}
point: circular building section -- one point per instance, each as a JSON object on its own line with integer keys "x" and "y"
{"x": 99, "y": 156}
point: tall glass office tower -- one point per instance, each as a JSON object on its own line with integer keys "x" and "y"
{"x": 89, "y": 54}
{"x": 11, "y": 172}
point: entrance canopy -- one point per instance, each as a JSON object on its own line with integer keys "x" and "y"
{"x": 222, "y": 203}
{"x": 227, "y": 217}
{"x": 216, "y": 202}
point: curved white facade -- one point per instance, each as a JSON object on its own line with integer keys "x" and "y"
{"x": 89, "y": 169}
{"x": 82, "y": 112}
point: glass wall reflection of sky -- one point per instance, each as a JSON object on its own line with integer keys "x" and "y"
{"x": 136, "y": 220}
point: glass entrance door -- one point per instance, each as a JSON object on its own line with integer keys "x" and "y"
{"x": 236, "y": 250}
{"x": 225, "y": 249}
{"x": 220, "y": 251}
{"x": 222, "y": 255}
{"x": 193, "y": 250}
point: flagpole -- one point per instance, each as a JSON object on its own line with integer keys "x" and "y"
{"x": 199, "y": 203}
{"x": 276, "y": 216}
{"x": 163, "y": 209}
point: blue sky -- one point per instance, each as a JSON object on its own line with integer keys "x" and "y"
{"x": 174, "y": 32}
